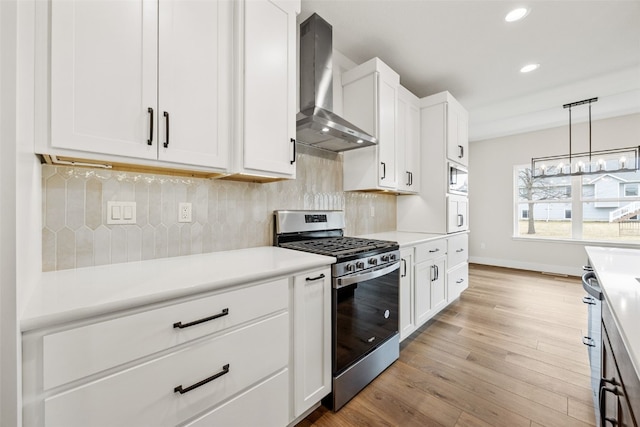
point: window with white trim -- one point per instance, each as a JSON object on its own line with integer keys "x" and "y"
{"x": 583, "y": 207}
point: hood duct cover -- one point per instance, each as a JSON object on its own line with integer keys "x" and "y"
{"x": 316, "y": 124}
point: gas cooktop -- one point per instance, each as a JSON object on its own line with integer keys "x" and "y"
{"x": 340, "y": 246}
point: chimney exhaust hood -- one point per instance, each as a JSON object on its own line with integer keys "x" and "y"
{"x": 316, "y": 124}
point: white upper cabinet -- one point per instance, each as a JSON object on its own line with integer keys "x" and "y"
{"x": 141, "y": 80}
{"x": 265, "y": 146}
{"x": 104, "y": 76}
{"x": 195, "y": 81}
{"x": 433, "y": 210}
{"x": 370, "y": 101}
{"x": 408, "y": 143}
{"x": 457, "y": 132}
{"x": 457, "y": 213}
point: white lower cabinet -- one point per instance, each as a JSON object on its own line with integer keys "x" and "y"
{"x": 263, "y": 405}
{"x": 457, "y": 281}
{"x": 167, "y": 391}
{"x": 407, "y": 314}
{"x": 458, "y": 264}
{"x": 430, "y": 290}
{"x": 255, "y": 354}
{"x": 311, "y": 326}
{"x": 432, "y": 275}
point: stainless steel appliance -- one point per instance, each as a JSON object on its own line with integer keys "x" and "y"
{"x": 317, "y": 125}
{"x": 593, "y": 339}
{"x": 458, "y": 180}
{"x": 366, "y": 281}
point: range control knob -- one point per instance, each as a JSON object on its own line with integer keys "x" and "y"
{"x": 360, "y": 264}
{"x": 385, "y": 258}
{"x": 392, "y": 257}
{"x": 350, "y": 267}
{"x": 373, "y": 261}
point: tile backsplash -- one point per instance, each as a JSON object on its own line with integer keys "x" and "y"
{"x": 226, "y": 214}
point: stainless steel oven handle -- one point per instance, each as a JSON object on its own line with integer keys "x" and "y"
{"x": 346, "y": 281}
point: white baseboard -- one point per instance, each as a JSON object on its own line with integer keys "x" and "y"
{"x": 520, "y": 265}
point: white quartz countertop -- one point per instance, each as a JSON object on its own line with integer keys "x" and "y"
{"x": 618, "y": 272}
{"x": 404, "y": 238}
{"x": 68, "y": 295}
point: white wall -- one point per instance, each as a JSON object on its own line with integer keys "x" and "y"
{"x": 492, "y": 201}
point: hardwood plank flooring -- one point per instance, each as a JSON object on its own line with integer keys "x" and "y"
{"x": 508, "y": 353}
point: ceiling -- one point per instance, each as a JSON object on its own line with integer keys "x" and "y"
{"x": 585, "y": 49}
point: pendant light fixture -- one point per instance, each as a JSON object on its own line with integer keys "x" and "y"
{"x": 592, "y": 162}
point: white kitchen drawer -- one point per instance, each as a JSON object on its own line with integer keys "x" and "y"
{"x": 145, "y": 395}
{"x": 457, "y": 281}
{"x": 264, "y": 405}
{"x": 76, "y": 353}
{"x": 430, "y": 250}
{"x": 458, "y": 249}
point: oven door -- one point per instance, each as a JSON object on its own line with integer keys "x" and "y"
{"x": 365, "y": 313}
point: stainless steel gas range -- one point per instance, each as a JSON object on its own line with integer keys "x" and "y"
{"x": 365, "y": 280}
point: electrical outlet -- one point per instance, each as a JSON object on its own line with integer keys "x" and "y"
{"x": 184, "y": 212}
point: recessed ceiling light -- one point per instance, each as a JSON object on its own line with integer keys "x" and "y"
{"x": 529, "y": 67}
{"x": 516, "y": 14}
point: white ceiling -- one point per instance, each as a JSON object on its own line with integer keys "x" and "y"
{"x": 586, "y": 49}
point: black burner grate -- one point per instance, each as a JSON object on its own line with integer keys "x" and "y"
{"x": 338, "y": 246}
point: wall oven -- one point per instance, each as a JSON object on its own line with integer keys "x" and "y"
{"x": 458, "y": 180}
{"x": 365, "y": 296}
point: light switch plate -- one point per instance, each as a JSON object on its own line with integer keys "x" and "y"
{"x": 121, "y": 213}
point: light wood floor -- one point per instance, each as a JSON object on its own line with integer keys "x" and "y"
{"x": 508, "y": 353}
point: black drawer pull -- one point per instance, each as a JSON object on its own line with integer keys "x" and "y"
{"x": 312, "y": 279}
{"x": 197, "y": 322}
{"x": 588, "y": 341}
{"x": 179, "y": 389}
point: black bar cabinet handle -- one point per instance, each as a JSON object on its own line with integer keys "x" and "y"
{"x": 460, "y": 220}
{"x": 179, "y": 389}
{"x": 588, "y": 341}
{"x": 313, "y": 279}
{"x": 384, "y": 170}
{"x": 461, "y": 155}
{"x": 166, "y": 115}
{"x": 180, "y": 325}
{"x": 404, "y": 264}
{"x": 410, "y": 178}
{"x": 150, "y": 140}
{"x": 588, "y": 300}
{"x": 601, "y": 400}
{"x": 293, "y": 141}
{"x": 434, "y": 250}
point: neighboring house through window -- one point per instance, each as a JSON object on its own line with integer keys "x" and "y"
{"x": 582, "y": 207}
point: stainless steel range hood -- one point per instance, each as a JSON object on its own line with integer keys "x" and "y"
{"x": 316, "y": 123}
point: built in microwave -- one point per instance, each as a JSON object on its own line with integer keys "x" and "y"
{"x": 458, "y": 179}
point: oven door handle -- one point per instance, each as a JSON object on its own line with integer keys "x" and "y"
{"x": 350, "y": 280}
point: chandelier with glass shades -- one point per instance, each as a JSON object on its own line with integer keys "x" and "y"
{"x": 592, "y": 162}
